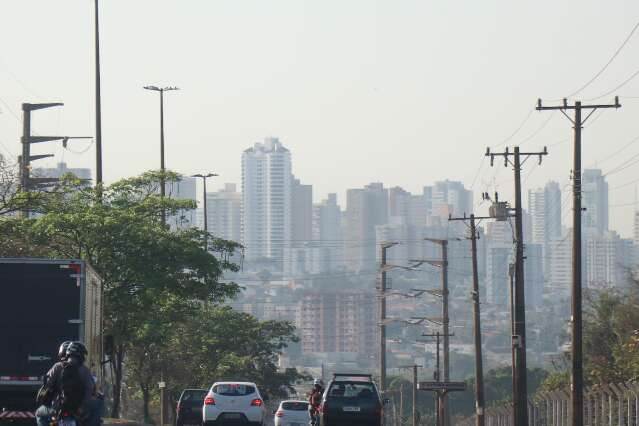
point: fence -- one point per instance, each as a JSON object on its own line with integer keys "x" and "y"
{"x": 604, "y": 405}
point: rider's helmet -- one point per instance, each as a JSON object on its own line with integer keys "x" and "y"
{"x": 77, "y": 350}
{"x": 62, "y": 351}
{"x": 318, "y": 382}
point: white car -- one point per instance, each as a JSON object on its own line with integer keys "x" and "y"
{"x": 292, "y": 413}
{"x": 234, "y": 402}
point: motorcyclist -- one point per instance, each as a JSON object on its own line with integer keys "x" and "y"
{"x": 90, "y": 410}
{"x": 315, "y": 400}
{"x": 49, "y": 393}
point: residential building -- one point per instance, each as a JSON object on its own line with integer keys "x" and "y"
{"x": 266, "y": 196}
{"x": 224, "y": 211}
{"x": 338, "y": 322}
{"x": 365, "y": 209}
{"x": 533, "y": 275}
{"x": 607, "y": 259}
{"x": 449, "y": 198}
{"x": 185, "y": 189}
{"x": 327, "y": 232}
{"x": 559, "y": 259}
{"x": 594, "y": 190}
{"x": 544, "y": 206}
{"x": 301, "y": 212}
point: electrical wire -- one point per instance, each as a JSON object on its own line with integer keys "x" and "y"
{"x": 505, "y": 141}
{"x": 612, "y": 58}
{"x": 610, "y": 92}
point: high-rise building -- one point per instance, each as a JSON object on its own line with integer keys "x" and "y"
{"x": 266, "y": 195}
{"x": 636, "y": 239}
{"x": 60, "y": 170}
{"x": 594, "y": 190}
{"x": 413, "y": 209}
{"x": 544, "y": 205}
{"x": 301, "y": 212}
{"x": 338, "y": 322}
{"x": 607, "y": 258}
{"x": 184, "y": 189}
{"x": 449, "y": 198}
{"x": 365, "y": 209}
{"x": 559, "y": 260}
{"x": 224, "y": 211}
{"x": 533, "y": 275}
{"x": 498, "y": 262}
{"x": 327, "y": 232}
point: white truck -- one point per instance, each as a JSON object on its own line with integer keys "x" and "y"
{"x": 43, "y": 302}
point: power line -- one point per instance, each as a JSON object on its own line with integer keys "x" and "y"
{"x": 612, "y": 58}
{"x": 505, "y": 141}
{"x": 608, "y": 93}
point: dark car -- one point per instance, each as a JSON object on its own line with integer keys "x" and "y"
{"x": 189, "y": 407}
{"x": 351, "y": 399}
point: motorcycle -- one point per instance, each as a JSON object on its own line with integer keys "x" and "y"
{"x": 63, "y": 419}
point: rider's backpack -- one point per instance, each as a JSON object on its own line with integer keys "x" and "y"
{"x": 72, "y": 387}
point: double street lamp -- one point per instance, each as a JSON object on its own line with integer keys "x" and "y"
{"x": 162, "y": 168}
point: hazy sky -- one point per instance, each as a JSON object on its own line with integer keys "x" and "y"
{"x": 401, "y": 91}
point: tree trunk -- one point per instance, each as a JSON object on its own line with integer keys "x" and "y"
{"x": 117, "y": 382}
{"x": 145, "y": 400}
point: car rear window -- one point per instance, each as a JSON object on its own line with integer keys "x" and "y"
{"x": 295, "y": 406}
{"x": 194, "y": 395}
{"x": 361, "y": 390}
{"x": 233, "y": 389}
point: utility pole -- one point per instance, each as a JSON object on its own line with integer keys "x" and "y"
{"x": 520, "y": 396}
{"x": 400, "y": 418}
{"x": 162, "y": 165}
{"x": 98, "y": 102}
{"x": 414, "y": 368}
{"x": 479, "y": 366}
{"x": 576, "y": 374}
{"x": 206, "y": 223}
{"x": 384, "y": 246}
{"x": 27, "y": 183}
{"x": 440, "y": 409}
{"x": 443, "y": 263}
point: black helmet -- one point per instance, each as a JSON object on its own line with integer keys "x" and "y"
{"x": 62, "y": 352}
{"x": 77, "y": 350}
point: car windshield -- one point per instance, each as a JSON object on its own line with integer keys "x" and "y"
{"x": 233, "y": 389}
{"x": 295, "y": 406}
{"x": 194, "y": 395}
{"x": 351, "y": 390}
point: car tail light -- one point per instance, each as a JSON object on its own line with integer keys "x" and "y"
{"x": 279, "y": 413}
{"x": 257, "y": 402}
{"x": 209, "y": 400}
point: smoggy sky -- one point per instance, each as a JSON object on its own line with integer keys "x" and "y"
{"x": 405, "y": 91}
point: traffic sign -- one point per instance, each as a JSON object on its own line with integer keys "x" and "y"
{"x": 442, "y": 386}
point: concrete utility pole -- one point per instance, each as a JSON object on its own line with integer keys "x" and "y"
{"x": 27, "y": 183}
{"x": 206, "y": 223}
{"x": 384, "y": 246}
{"x": 576, "y": 374}
{"x": 162, "y": 167}
{"x": 98, "y": 102}
{"x": 479, "y": 366}
{"x": 414, "y": 411}
{"x": 520, "y": 394}
{"x": 439, "y": 402}
{"x": 443, "y": 263}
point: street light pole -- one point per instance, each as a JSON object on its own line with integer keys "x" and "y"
{"x": 98, "y": 103}
{"x": 162, "y": 167}
{"x": 206, "y": 223}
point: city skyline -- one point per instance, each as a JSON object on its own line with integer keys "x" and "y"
{"x": 276, "y": 71}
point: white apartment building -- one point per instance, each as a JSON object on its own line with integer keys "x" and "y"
{"x": 266, "y": 195}
{"x": 224, "y": 211}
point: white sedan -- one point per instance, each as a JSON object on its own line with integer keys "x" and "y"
{"x": 292, "y": 413}
{"x": 234, "y": 402}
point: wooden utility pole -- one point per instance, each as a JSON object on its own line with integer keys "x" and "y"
{"x": 479, "y": 366}
{"x": 439, "y": 402}
{"x": 576, "y": 373}
{"x": 520, "y": 394}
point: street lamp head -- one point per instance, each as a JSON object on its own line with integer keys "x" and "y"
{"x": 155, "y": 88}
{"x": 208, "y": 175}
{"x": 161, "y": 89}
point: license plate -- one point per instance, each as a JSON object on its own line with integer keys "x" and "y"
{"x": 295, "y": 424}
{"x": 351, "y": 409}
{"x": 232, "y": 416}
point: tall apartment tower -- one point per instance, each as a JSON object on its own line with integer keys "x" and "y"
{"x": 544, "y": 206}
{"x": 301, "y": 212}
{"x": 224, "y": 211}
{"x": 266, "y": 196}
{"x": 185, "y": 189}
{"x": 365, "y": 209}
{"x": 449, "y": 198}
{"x": 61, "y": 169}
{"x": 594, "y": 190}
